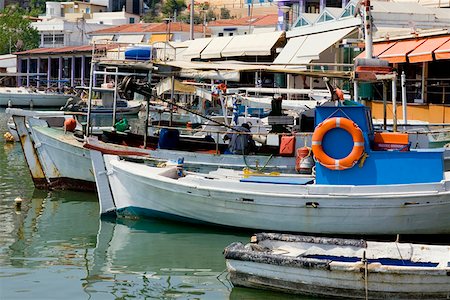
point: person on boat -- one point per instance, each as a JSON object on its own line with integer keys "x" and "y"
{"x": 241, "y": 141}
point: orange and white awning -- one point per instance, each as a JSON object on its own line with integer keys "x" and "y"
{"x": 378, "y": 48}
{"x": 398, "y": 52}
{"x": 443, "y": 52}
{"x": 424, "y": 52}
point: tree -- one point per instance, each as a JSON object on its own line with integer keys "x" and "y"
{"x": 225, "y": 13}
{"x": 170, "y": 6}
{"x": 17, "y": 32}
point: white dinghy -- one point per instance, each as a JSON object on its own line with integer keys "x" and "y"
{"x": 334, "y": 267}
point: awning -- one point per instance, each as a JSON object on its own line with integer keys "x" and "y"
{"x": 425, "y": 51}
{"x": 317, "y": 43}
{"x": 195, "y": 48}
{"x": 260, "y": 44}
{"x": 443, "y": 52}
{"x": 159, "y": 37}
{"x": 263, "y": 29}
{"x": 377, "y": 49}
{"x": 215, "y": 47}
{"x": 290, "y": 50}
{"x": 165, "y": 85}
{"x": 130, "y": 38}
{"x": 224, "y": 75}
{"x": 104, "y": 38}
{"x": 398, "y": 52}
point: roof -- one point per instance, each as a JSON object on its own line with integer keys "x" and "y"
{"x": 68, "y": 49}
{"x": 259, "y": 20}
{"x": 149, "y": 27}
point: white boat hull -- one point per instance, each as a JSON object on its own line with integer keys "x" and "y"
{"x": 394, "y": 209}
{"x": 24, "y": 97}
{"x": 65, "y": 164}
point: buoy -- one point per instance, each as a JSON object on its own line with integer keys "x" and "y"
{"x": 70, "y": 124}
{"x": 18, "y": 203}
{"x": 9, "y": 137}
{"x": 303, "y": 160}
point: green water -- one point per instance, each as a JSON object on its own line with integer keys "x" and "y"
{"x": 56, "y": 247}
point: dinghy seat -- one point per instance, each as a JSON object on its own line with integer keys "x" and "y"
{"x": 278, "y": 180}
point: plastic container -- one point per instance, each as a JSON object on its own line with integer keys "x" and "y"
{"x": 139, "y": 53}
{"x": 168, "y": 138}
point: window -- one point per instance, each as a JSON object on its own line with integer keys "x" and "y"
{"x": 88, "y": 10}
{"x": 349, "y": 11}
{"x": 58, "y": 39}
{"x": 230, "y": 34}
{"x": 220, "y": 33}
{"x": 325, "y": 17}
{"x": 301, "y": 22}
{"x": 131, "y": 20}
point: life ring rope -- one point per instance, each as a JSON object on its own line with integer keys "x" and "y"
{"x": 358, "y": 143}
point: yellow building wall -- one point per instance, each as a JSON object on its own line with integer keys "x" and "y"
{"x": 432, "y": 113}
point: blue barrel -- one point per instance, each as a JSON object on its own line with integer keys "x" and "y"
{"x": 168, "y": 138}
{"x": 139, "y": 53}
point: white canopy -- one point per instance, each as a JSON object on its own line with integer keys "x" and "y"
{"x": 195, "y": 48}
{"x": 304, "y": 49}
{"x": 252, "y": 44}
{"x": 130, "y": 38}
{"x": 215, "y": 47}
{"x": 102, "y": 38}
{"x": 290, "y": 50}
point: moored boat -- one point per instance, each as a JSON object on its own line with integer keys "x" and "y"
{"x": 21, "y": 96}
{"x": 60, "y": 159}
{"x": 336, "y": 267}
{"x": 363, "y": 191}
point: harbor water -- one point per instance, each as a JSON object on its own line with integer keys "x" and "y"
{"x": 55, "y": 246}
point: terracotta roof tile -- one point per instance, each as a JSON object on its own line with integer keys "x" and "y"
{"x": 148, "y": 27}
{"x": 67, "y": 49}
{"x": 260, "y": 20}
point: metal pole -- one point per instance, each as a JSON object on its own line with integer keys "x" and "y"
{"x": 115, "y": 97}
{"x": 368, "y": 29}
{"x": 191, "y": 31}
{"x": 147, "y": 112}
{"x": 385, "y": 90}
{"x": 91, "y": 82}
{"x": 355, "y": 90}
{"x": 404, "y": 100}
{"x": 394, "y": 102}
{"x": 172, "y": 99}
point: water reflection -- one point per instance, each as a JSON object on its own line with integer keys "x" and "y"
{"x": 167, "y": 259}
{"x": 57, "y": 239}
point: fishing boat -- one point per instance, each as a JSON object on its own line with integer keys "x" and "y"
{"x": 336, "y": 267}
{"x": 359, "y": 187}
{"x": 22, "y": 96}
{"x": 103, "y": 103}
{"x": 60, "y": 159}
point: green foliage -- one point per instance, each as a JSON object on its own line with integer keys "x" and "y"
{"x": 170, "y": 6}
{"x": 198, "y": 17}
{"x": 17, "y": 31}
{"x": 225, "y": 13}
{"x": 154, "y": 13}
{"x": 38, "y": 7}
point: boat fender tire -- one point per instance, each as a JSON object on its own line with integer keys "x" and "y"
{"x": 358, "y": 143}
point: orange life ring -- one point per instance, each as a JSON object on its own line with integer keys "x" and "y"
{"x": 358, "y": 143}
